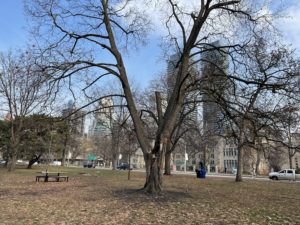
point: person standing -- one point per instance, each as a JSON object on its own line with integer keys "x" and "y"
{"x": 253, "y": 173}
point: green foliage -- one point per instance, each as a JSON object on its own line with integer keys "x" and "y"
{"x": 39, "y": 132}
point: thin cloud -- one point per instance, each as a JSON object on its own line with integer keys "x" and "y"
{"x": 290, "y": 25}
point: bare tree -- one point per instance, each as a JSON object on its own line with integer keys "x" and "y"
{"x": 23, "y": 91}
{"x": 266, "y": 80}
{"x": 83, "y": 31}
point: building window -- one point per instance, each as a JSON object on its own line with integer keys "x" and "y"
{"x": 235, "y": 164}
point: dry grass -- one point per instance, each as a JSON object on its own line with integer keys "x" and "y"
{"x": 107, "y": 197}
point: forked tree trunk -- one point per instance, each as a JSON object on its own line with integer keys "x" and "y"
{"x": 154, "y": 174}
{"x": 154, "y": 181}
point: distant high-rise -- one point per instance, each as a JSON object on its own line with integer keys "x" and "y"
{"x": 75, "y": 119}
{"x": 172, "y": 69}
{"x": 104, "y": 117}
{"x": 214, "y": 69}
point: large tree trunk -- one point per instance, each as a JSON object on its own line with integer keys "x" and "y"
{"x": 168, "y": 163}
{"x": 239, "y": 174}
{"x": 147, "y": 158}
{"x": 115, "y": 163}
{"x": 11, "y": 165}
{"x": 154, "y": 180}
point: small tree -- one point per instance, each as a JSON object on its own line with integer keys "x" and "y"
{"x": 23, "y": 91}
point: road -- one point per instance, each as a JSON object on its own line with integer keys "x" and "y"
{"x": 219, "y": 175}
{"x": 232, "y": 176}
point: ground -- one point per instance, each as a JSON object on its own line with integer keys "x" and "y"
{"x": 107, "y": 197}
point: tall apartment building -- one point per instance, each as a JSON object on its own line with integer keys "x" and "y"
{"x": 172, "y": 69}
{"x": 214, "y": 69}
{"x": 76, "y": 119}
{"x": 191, "y": 110}
{"x": 222, "y": 154}
{"x": 102, "y": 124}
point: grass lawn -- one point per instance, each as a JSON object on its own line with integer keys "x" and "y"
{"x": 106, "y": 197}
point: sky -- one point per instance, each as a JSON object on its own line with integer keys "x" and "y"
{"x": 143, "y": 64}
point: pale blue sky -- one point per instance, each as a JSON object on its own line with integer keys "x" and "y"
{"x": 143, "y": 64}
{"x": 12, "y": 24}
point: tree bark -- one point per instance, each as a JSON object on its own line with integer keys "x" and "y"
{"x": 64, "y": 150}
{"x": 115, "y": 163}
{"x": 13, "y": 154}
{"x": 11, "y": 165}
{"x": 290, "y": 160}
{"x": 239, "y": 174}
{"x": 168, "y": 163}
{"x": 154, "y": 181}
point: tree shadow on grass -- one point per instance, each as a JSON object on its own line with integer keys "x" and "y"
{"x": 139, "y": 195}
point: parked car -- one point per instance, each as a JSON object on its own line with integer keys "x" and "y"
{"x": 123, "y": 166}
{"x": 89, "y": 164}
{"x": 22, "y": 162}
{"x": 55, "y": 163}
{"x": 2, "y": 162}
{"x": 287, "y": 174}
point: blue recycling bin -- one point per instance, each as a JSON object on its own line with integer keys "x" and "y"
{"x": 202, "y": 173}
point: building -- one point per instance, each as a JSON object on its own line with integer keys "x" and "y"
{"x": 215, "y": 83}
{"x": 102, "y": 123}
{"x": 76, "y": 124}
{"x": 219, "y": 152}
{"x": 76, "y": 120}
{"x": 137, "y": 160}
{"x": 192, "y": 96}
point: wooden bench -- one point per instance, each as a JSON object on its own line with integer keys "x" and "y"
{"x": 49, "y": 175}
